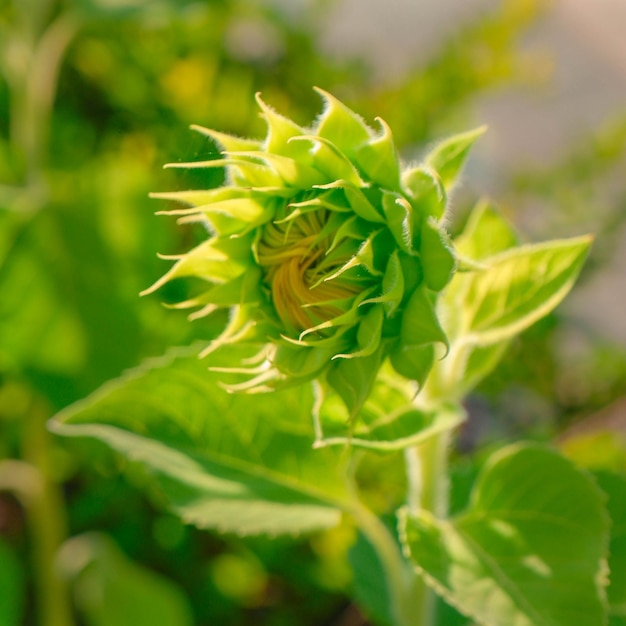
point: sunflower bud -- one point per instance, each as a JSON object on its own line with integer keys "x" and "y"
{"x": 328, "y": 253}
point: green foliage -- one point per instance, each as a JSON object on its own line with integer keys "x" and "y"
{"x": 256, "y": 473}
{"x": 517, "y": 287}
{"x": 321, "y": 252}
{"x": 505, "y": 289}
{"x": 369, "y": 586}
{"x": 233, "y": 463}
{"x": 528, "y": 550}
{"x": 614, "y": 485}
{"x": 111, "y": 590}
{"x": 78, "y": 159}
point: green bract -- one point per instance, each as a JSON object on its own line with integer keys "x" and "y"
{"x": 329, "y": 254}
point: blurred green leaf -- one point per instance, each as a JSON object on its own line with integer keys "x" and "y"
{"x": 485, "y": 234}
{"x": 481, "y": 361}
{"x": 37, "y": 327}
{"x": 111, "y": 590}
{"x": 517, "y": 287}
{"x": 601, "y": 449}
{"x": 65, "y": 317}
{"x": 529, "y": 550}
{"x": 369, "y": 586}
{"x": 11, "y": 587}
{"x": 236, "y": 463}
{"x": 614, "y": 486}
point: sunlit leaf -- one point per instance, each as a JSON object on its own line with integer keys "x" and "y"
{"x": 529, "y": 550}
{"x": 232, "y": 462}
{"x": 341, "y": 125}
{"x": 517, "y": 288}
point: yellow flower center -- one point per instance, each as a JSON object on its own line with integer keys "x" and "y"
{"x": 294, "y": 255}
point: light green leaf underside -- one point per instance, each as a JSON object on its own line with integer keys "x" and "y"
{"x": 517, "y": 288}
{"x": 111, "y": 590}
{"x": 232, "y": 462}
{"x": 387, "y": 421}
{"x": 529, "y": 549}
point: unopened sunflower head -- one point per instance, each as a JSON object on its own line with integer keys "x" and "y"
{"x": 329, "y": 254}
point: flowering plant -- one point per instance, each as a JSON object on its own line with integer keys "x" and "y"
{"x": 335, "y": 264}
{"x": 329, "y": 253}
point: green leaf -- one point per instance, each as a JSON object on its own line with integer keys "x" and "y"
{"x": 379, "y": 160}
{"x": 529, "y": 549}
{"x": 214, "y": 260}
{"x": 413, "y": 362}
{"x": 352, "y": 379}
{"x": 232, "y": 462}
{"x": 110, "y": 590}
{"x": 399, "y": 219}
{"x": 614, "y": 486}
{"x": 369, "y": 586}
{"x": 293, "y": 172}
{"x": 388, "y": 419}
{"x": 413, "y": 355}
{"x": 481, "y": 362}
{"x": 448, "y": 158}
{"x": 280, "y": 130}
{"x": 420, "y": 324}
{"x": 360, "y": 204}
{"x": 330, "y": 160}
{"x": 393, "y": 286}
{"x": 11, "y": 587}
{"x": 518, "y": 287}
{"x": 438, "y": 260}
{"x": 227, "y": 142}
{"x": 396, "y": 430}
{"x": 341, "y": 125}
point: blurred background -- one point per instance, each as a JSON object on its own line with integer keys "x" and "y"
{"x": 95, "y": 95}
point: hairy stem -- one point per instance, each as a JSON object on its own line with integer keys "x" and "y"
{"x": 426, "y": 466}
{"x": 427, "y": 489}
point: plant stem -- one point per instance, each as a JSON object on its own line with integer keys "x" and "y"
{"x": 399, "y": 578}
{"x": 427, "y": 490}
{"x": 30, "y": 481}
{"x": 427, "y": 486}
